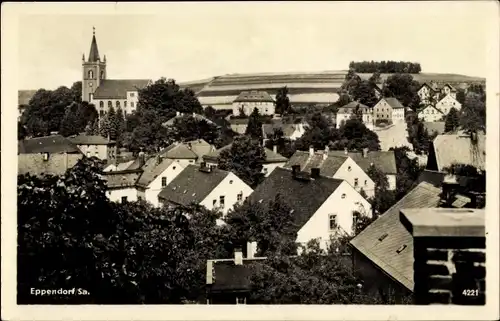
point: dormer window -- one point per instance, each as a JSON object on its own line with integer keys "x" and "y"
{"x": 45, "y": 156}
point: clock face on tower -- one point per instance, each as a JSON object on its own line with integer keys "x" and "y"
{"x": 90, "y": 84}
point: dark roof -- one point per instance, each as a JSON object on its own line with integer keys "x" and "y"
{"x": 121, "y": 179}
{"x": 178, "y": 151}
{"x": 24, "y": 96}
{"x": 268, "y": 129}
{"x": 436, "y": 126}
{"x": 56, "y": 164}
{"x": 354, "y": 104}
{"x": 254, "y": 96}
{"x": 304, "y": 196}
{"x": 458, "y": 149}
{"x": 192, "y": 185}
{"x": 328, "y": 167}
{"x": 271, "y": 157}
{"x": 382, "y": 239}
{"x": 152, "y": 168}
{"x": 383, "y": 160}
{"x": 94, "y": 51}
{"x": 90, "y": 140}
{"x": 118, "y": 88}
{"x": 47, "y": 144}
{"x": 232, "y": 277}
{"x": 198, "y": 117}
{"x": 393, "y": 102}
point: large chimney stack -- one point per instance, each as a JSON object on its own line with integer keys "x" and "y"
{"x": 251, "y": 249}
{"x": 325, "y": 153}
{"x": 346, "y": 151}
{"x": 311, "y": 151}
{"x": 365, "y": 152}
{"x": 238, "y": 256}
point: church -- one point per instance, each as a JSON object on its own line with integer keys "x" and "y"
{"x": 105, "y": 93}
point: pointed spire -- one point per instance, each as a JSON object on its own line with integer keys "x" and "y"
{"x": 83, "y": 57}
{"x": 104, "y": 58}
{"x": 94, "y": 52}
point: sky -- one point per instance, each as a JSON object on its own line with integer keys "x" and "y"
{"x": 190, "y": 41}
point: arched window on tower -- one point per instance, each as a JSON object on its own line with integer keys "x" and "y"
{"x": 117, "y": 104}
{"x": 110, "y": 104}
{"x": 91, "y": 74}
{"x": 102, "y": 74}
{"x": 101, "y": 104}
{"x": 125, "y": 104}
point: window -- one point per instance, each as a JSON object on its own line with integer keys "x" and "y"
{"x": 110, "y": 104}
{"x": 102, "y": 74}
{"x": 132, "y": 94}
{"x": 91, "y": 84}
{"x": 96, "y": 153}
{"x": 354, "y": 220}
{"x": 349, "y": 168}
{"x": 88, "y": 154}
{"x": 231, "y": 182}
{"x": 91, "y": 74}
{"x": 117, "y": 104}
{"x": 101, "y": 112}
{"x": 366, "y": 182}
{"x": 222, "y": 201}
{"x": 45, "y": 156}
{"x": 239, "y": 197}
{"x": 264, "y": 170}
{"x": 90, "y": 97}
{"x": 101, "y": 104}
{"x": 125, "y": 104}
{"x": 355, "y": 182}
{"x": 139, "y": 198}
{"x": 333, "y": 221}
{"x": 132, "y": 104}
{"x": 124, "y": 199}
{"x": 163, "y": 181}
{"x": 214, "y": 202}
{"x": 343, "y": 196}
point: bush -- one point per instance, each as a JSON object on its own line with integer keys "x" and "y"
{"x": 383, "y": 122}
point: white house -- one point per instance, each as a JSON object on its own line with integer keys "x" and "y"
{"x": 247, "y": 101}
{"x": 157, "y": 173}
{"x": 213, "y": 188}
{"x": 447, "y": 103}
{"x": 273, "y": 159}
{"x": 347, "y": 111}
{"x": 191, "y": 152}
{"x": 428, "y": 93}
{"x": 93, "y": 145}
{"x": 290, "y": 131}
{"x": 322, "y": 207}
{"x": 389, "y": 108}
{"x": 120, "y": 185}
{"x": 334, "y": 166}
{"x": 430, "y": 114}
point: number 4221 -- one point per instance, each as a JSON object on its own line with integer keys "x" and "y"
{"x": 470, "y": 292}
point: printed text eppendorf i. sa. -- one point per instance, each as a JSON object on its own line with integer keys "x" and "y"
{"x": 44, "y": 292}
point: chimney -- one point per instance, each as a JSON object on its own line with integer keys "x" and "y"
{"x": 189, "y": 145}
{"x": 194, "y": 114}
{"x": 315, "y": 171}
{"x": 295, "y": 169}
{"x": 142, "y": 159}
{"x": 325, "y": 153}
{"x": 346, "y": 151}
{"x": 158, "y": 159}
{"x": 177, "y": 113}
{"x": 275, "y": 148}
{"x": 210, "y": 274}
{"x": 311, "y": 150}
{"x": 365, "y": 152}
{"x": 238, "y": 256}
{"x": 251, "y": 249}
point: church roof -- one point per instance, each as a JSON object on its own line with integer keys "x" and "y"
{"x": 94, "y": 52}
{"x": 118, "y": 88}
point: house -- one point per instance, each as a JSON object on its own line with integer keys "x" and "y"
{"x": 190, "y": 152}
{"x": 115, "y": 166}
{"x": 272, "y": 160}
{"x": 323, "y": 207}
{"x": 447, "y": 103}
{"x": 121, "y": 185}
{"x": 229, "y": 280}
{"x": 388, "y": 109}
{"x": 105, "y": 93}
{"x": 179, "y": 115}
{"x": 430, "y": 114}
{"x": 52, "y": 155}
{"x": 290, "y": 131}
{"x": 23, "y": 101}
{"x": 434, "y": 127}
{"x": 383, "y": 251}
{"x": 448, "y": 89}
{"x": 347, "y": 111}
{"x": 238, "y": 125}
{"x": 429, "y": 93}
{"x": 207, "y": 186}
{"x": 385, "y": 161}
{"x": 98, "y": 146}
{"x": 461, "y": 148}
{"x": 334, "y": 166}
{"x": 247, "y": 101}
{"x": 157, "y": 173}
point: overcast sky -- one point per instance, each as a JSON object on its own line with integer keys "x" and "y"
{"x": 189, "y": 41}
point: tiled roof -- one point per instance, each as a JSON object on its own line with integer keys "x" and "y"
{"x": 119, "y": 167}
{"x": 152, "y": 168}
{"x": 458, "y": 149}
{"x": 328, "y": 167}
{"x": 198, "y": 117}
{"x": 200, "y": 147}
{"x": 354, "y": 104}
{"x": 429, "y": 106}
{"x": 271, "y": 157}
{"x": 383, "y": 160}
{"x": 239, "y": 128}
{"x": 248, "y": 96}
{"x": 47, "y": 144}
{"x": 56, "y": 164}
{"x": 121, "y": 179}
{"x": 393, "y": 102}
{"x": 178, "y": 151}
{"x": 268, "y": 129}
{"x": 118, "y": 88}
{"x": 436, "y": 126}
{"x": 90, "y": 140}
{"x": 192, "y": 185}
{"x": 382, "y": 239}
{"x": 304, "y": 196}
{"x": 24, "y": 96}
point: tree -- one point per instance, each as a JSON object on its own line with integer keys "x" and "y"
{"x": 76, "y": 90}
{"x": 69, "y": 123}
{"x": 460, "y": 96}
{"x": 319, "y": 132}
{"x": 244, "y": 158}
{"x": 254, "y": 127}
{"x": 21, "y": 131}
{"x": 209, "y": 112}
{"x": 452, "y": 121}
{"x": 418, "y": 136}
{"x": 364, "y": 92}
{"x": 92, "y": 128}
{"x": 189, "y": 128}
{"x": 408, "y": 171}
{"x": 383, "y": 198}
{"x": 282, "y": 101}
{"x": 375, "y": 78}
{"x": 354, "y": 135}
{"x": 404, "y": 88}
{"x": 473, "y": 114}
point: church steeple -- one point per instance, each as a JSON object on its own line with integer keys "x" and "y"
{"x": 94, "y": 52}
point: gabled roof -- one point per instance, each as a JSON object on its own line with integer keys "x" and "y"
{"x": 271, "y": 157}
{"x": 192, "y": 185}
{"x": 56, "y": 164}
{"x": 121, "y": 179}
{"x": 304, "y": 196}
{"x": 354, "y": 104}
{"x": 288, "y": 129}
{"x": 383, "y": 160}
{"x": 200, "y": 147}
{"x": 55, "y": 144}
{"x": 393, "y": 102}
{"x": 90, "y": 140}
{"x": 24, "y": 96}
{"x": 382, "y": 239}
{"x": 430, "y": 106}
{"x": 254, "y": 96}
{"x": 118, "y": 88}
{"x": 178, "y": 151}
{"x": 152, "y": 168}
{"x": 452, "y": 149}
{"x": 119, "y": 167}
{"x": 328, "y": 167}
{"x": 198, "y": 117}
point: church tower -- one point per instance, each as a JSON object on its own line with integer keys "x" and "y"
{"x": 94, "y": 71}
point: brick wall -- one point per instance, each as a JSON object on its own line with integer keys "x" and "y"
{"x": 449, "y": 255}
